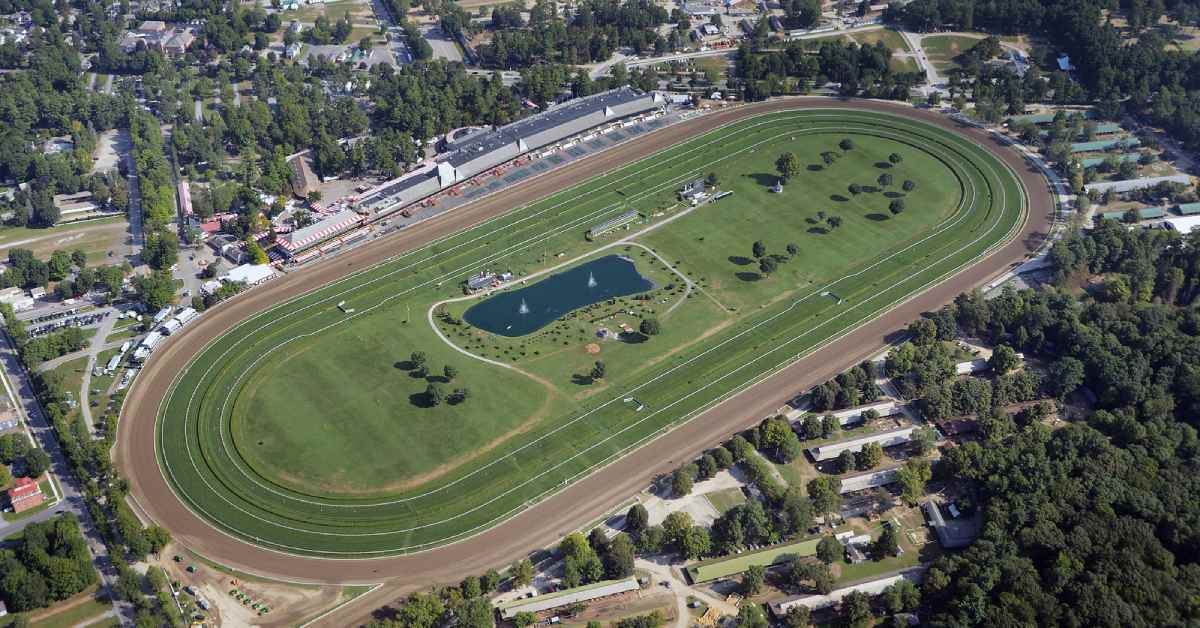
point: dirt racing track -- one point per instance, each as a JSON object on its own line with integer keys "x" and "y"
{"x": 591, "y": 497}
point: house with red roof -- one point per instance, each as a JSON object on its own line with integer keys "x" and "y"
{"x": 25, "y": 495}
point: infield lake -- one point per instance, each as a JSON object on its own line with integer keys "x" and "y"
{"x": 531, "y": 308}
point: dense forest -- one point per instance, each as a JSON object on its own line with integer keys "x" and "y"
{"x": 1147, "y": 76}
{"x": 50, "y": 562}
{"x": 597, "y": 29}
{"x": 801, "y": 66}
{"x": 1096, "y": 523}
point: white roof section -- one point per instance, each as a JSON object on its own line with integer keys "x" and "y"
{"x": 171, "y": 326}
{"x": 568, "y": 597}
{"x": 971, "y": 367}
{"x": 1183, "y": 225}
{"x": 854, "y": 415}
{"x": 162, "y": 314}
{"x": 871, "y": 479}
{"x": 249, "y": 274}
{"x": 151, "y": 339}
{"x": 889, "y": 438}
{"x": 113, "y": 362}
{"x": 1136, "y": 184}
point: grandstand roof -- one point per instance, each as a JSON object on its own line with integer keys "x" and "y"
{"x": 319, "y": 232}
{"x": 1183, "y": 225}
{"x": 480, "y": 143}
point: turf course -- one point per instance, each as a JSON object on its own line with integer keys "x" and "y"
{"x": 302, "y": 429}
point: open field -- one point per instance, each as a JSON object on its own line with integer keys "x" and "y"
{"x": 942, "y": 49}
{"x": 492, "y": 460}
{"x": 95, "y": 237}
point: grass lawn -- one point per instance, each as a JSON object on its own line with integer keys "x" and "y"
{"x": 95, "y": 237}
{"x": 71, "y": 373}
{"x": 797, "y": 472}
{"x": 890, "y": 38}
{"x": 726, "y": 498}
{"x": 302, "y": 404}
{"x": 79, "y": 609}
{"x": 942, "y": 49}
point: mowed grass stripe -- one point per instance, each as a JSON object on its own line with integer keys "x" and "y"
{"x": 267, "y": 512}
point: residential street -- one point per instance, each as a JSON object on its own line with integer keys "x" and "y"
{"x": 31, "y": 413}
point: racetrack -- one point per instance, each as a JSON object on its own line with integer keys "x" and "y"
{"x": 586, "y": 499}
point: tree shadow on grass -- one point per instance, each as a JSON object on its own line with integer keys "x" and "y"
{"x": 818, "y": 230}
{"x": 815, "y": 167}
{"x": 883, "y": 165}
{"x": 582, "y": 380}
{"x": 744, "y": 276}
{"x": 877, "y": 217}
{"x": 402, "y": 365}
{"x": 740, "y": 261}
{"x": 893, "y": 195}
{"x": 764, "y": 179}
{"x": 633, "y": 338}
{"x": 420, "y": 400}
{"x": 838, "y": 198}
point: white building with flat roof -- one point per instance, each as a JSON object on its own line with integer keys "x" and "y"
{"x": 890, "y": 438}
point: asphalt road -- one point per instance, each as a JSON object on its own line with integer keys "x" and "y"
{"x": 586, "y": 500}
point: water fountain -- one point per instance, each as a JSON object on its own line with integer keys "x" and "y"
{"x": 524, "y": 309}
{"x": 591, "y": 280}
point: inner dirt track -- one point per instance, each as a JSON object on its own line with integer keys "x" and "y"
{"x": 544, "y": 523}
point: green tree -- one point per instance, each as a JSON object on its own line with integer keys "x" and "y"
{"x": 829, "y": 550}
{"x": 59, "y": 265}
{"x": 825, "y": 493}
{"x": 753, "y": 580}
{"x": 902, "y": 597}
{"x": 37, "y": 462}
{"x": 908, "y": 185}
{"x": 675, "y": 525}
{"x": 895, "y": 158}
{"x": 751, "y": 616}
{"x": 682, "y": 480}
{"x": 521, "y": 572}
{"x": 912, "y": 478}
{"x": 1004, "y": 359}
{"x": 845, "y": 461}
{"x": 887, "y": 544}
{"x": 759, "y": 248}
{"x": 870, "y": 456}
{"x": 797, "y": 617}
{"x": 6, "y": 478}
{"x": 650, "y": 326}
{"x": 156, "y": 289}
{"x": 598, "y": 370}
{"x": 767, "y": 265}
{"x": 856, "y": 606}
{"x": 846, "y": 144}
{"x": 896, "y": 206}
{"x": 435, "y": 394}
{"x": 618, "y": 560}
{"x": 787, "y": 165}
{"x": 695, "y": 543}
{"x": 449, "y": 372}
{"x": 636, "y": 519}
{"x": 884, "y": 180}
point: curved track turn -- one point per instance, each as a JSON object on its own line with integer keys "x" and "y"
{"x": 588, "y": 498}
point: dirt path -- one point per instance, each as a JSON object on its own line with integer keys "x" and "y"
{"x": 589, "y": 498}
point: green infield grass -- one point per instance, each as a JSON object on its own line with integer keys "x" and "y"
{"x": 307, "y": 429}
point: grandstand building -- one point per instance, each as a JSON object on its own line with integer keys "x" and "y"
{"x": 300, "y": 241}
{"x": 473, "y": 153}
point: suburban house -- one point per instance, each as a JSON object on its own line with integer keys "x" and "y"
{"x": 25, "y": 495}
